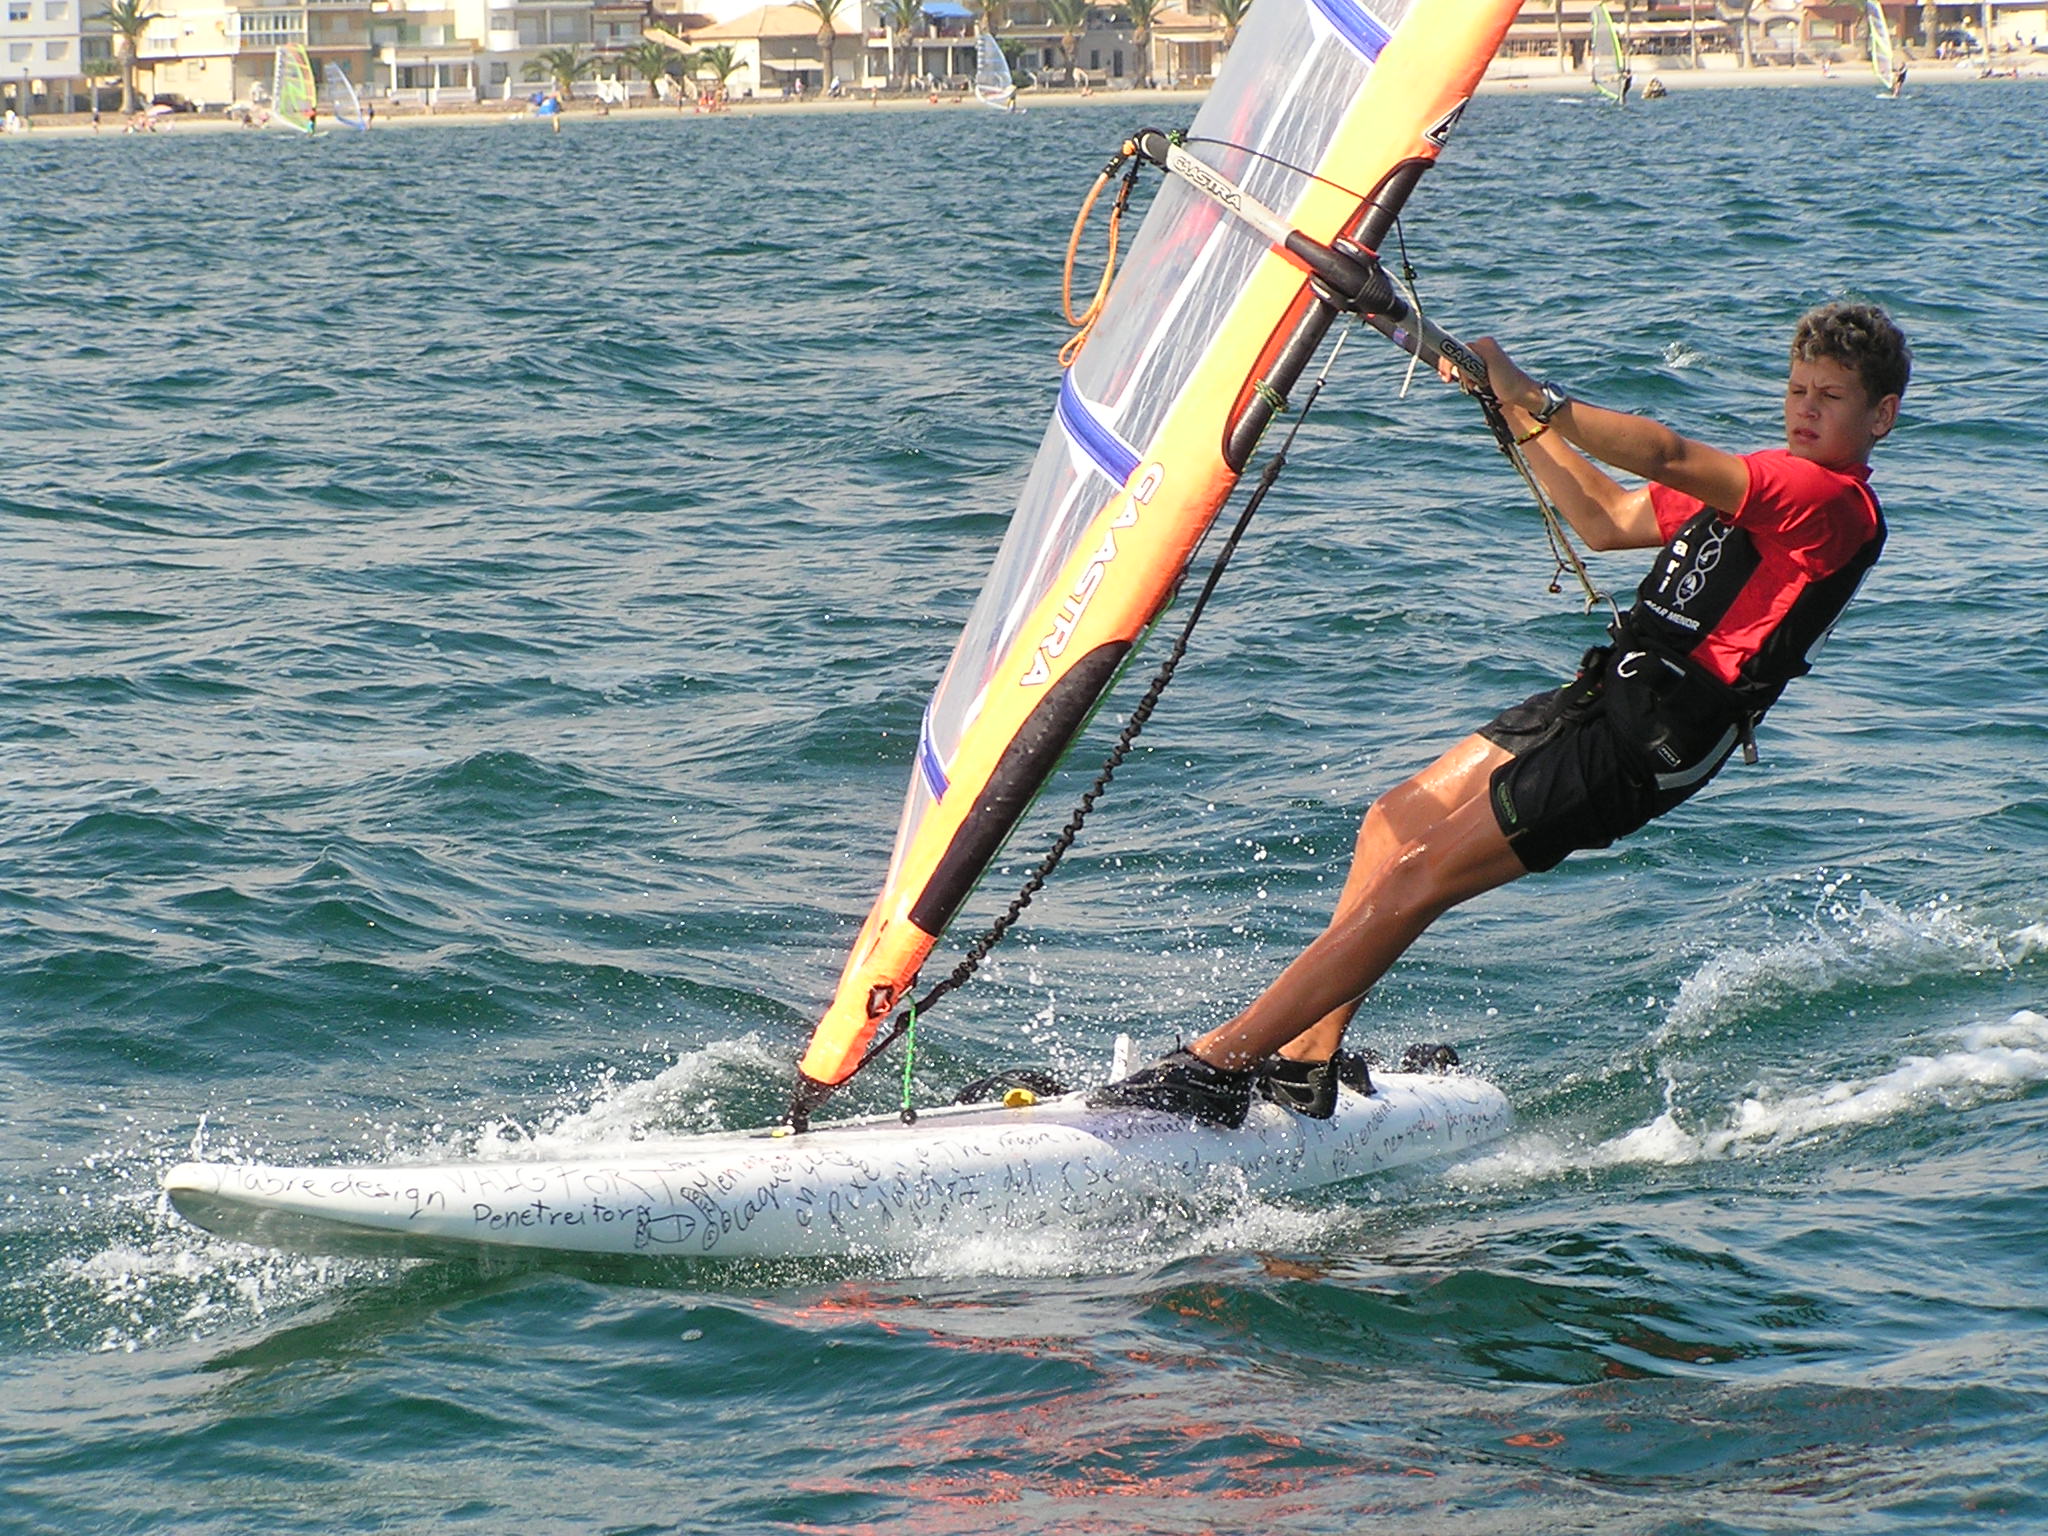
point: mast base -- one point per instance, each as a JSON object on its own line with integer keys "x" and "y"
{"x": 809, "y": 1095}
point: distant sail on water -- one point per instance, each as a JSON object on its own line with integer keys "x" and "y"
{"x": 294, "y": 89}
{"x": 1606, "y": 55}
{"x": 343, "y": 104}
{"x": 1325, "y": 111}
{"x": 992, "y": 82}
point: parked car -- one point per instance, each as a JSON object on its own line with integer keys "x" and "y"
{"x": 174, "y": 101}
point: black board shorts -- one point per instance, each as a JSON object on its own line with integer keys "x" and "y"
{"x": 1581, "y": 775}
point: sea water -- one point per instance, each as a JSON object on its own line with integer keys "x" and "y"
{"x": 470, "y": 599}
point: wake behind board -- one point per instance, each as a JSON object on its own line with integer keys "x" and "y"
{"x": 855, "y": 1186}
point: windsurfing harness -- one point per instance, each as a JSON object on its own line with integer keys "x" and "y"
{"x": 1750, "y": 597}
{"x": 1327, "y": 112}
{"x": 1736, "y": 606}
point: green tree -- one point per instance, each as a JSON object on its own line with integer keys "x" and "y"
{"x": 717, "y": 61}
{"x": 1144, "y": 14}
{"x": 1232, "y": 13}
{"x": 96, "y": 70}
{"x": 563, "y": 67}
{"x": 827, "y": 12}
{"x": 650, "y": 61}
{"x": 903, "y": 18}
{"x": 1071, "y": 17}
{"x": 129, "y": 19}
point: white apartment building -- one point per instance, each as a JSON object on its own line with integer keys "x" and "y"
{"x": 40, "y": 70}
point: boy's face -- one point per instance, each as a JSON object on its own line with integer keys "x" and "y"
{"x": 1830, "y": 417}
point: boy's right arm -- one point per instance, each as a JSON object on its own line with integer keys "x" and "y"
{"x": 1615, "y": 517}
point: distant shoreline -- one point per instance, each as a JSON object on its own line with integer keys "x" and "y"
{"x": 1528, "y": 75}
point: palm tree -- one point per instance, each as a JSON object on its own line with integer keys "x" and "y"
{"x": 718, "y": 61}
{"x": 1071, "y": 17}
{"x": 650, "y": 61}
{"x": 1557, "y": 16}
{"x": 563, "y": 66}
{"x": 827, "y": 12}
{"x": 96, "y": 70}
{"x": 130, "y": 19}
{"x": 903, "y": 18}
{"x": 1232, "y": 13}
{"x": 1143, "y": 14}
{"x": 1741, "y": 9}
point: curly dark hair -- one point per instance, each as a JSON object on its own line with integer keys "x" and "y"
{"x": 1858, "y": 336}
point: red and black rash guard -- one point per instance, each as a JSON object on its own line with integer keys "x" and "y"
{"x": 1748, "y": 595}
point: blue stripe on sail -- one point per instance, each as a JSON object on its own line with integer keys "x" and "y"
{"x": 1356, "y": 25}
{"x": 928, "y": 763}
{"x": 1110, "y": 453}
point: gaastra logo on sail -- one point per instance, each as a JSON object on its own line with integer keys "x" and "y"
{"x": 1068, "y": 619}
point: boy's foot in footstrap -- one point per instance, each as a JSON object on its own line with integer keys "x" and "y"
{"x": 1182, "y": 1084}
{"x": 1310, "y": 1087}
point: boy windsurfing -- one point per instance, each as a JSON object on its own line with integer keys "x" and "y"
{"x": 1759, "y": 555}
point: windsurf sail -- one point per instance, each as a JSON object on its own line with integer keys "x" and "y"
{"x": 343, "y": 104}
{"x": 294, "y": 89}
{"x": 993, "y": 86}
{"x": 1884, "y": 54}
{"x": 1607, "y": 56}
{"x": 1327, "y": 112}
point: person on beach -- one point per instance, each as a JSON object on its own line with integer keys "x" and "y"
{"x": 1759, "y": 555}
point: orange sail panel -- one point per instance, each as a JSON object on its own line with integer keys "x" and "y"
{"x": 1324, "y": 112}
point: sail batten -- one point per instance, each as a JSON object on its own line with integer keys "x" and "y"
{"x": 1884, "y": 61}
{"x": 992, "y": 83}
{"x": 1357, "y": 26}
{"x": 1321, "y": 107}
{"x": 1105, "y": 450}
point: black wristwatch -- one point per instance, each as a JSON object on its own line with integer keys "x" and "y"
{"x": 1555, "y": 399}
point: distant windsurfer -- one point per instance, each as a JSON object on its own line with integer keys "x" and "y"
{"x": 1735, "y": 603}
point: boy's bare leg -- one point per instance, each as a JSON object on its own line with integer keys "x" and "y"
{"x": 1425, "y": 846}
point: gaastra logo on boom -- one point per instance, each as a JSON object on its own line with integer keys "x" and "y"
{"x": 1056, "y": 640}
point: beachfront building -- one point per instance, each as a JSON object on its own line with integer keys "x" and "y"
{"x": 1957, "y": 31}
{"x": 419, "y": 52}
{"x": 778, "y": 52}
{"x": 940, "y": 53}
{"x": 1186, "y": 46}
{"x": 1673, "y": 35}
{"x": 218, "y": 54}
{"x": 1726, "y": 34}
{"x": 40, "y": 68}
